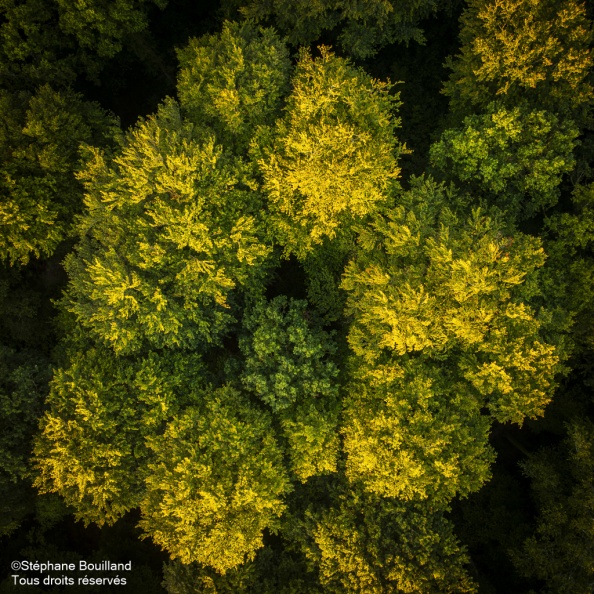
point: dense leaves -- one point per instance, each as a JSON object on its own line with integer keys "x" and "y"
{"x": 170, "y": 230}
{"x": 92, "y": 449}
{"x": 334, "y": 153}
{"x": 216, "y": 483}
{"x": 533, "y": 50}
{"x": 364, "y": 26}
{"x": 234, "y": 81}
{"x": 39, "y": 142}
{"x": 561, "y": 551}
{"x": 516, "y": 157}
{"x": 285, "y": 363}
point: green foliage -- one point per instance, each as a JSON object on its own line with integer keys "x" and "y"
{"x": 32, "y": 52}
{"x": 57, "y": 41}
{"x": 216, "y": 482}
{"x": 442, "y": 328}
{"x": 272, "y": 572}
{"x": 23, "y": 380}
{"x": 286, "y": 359}
{"x": 170, "y": 230}
{"x": 523, "y": 50}
{"x": 421, "y": 436}
{"x": 333, "y": 155}
{"x": 372, "y": 545}
{"x": 287, "y": 365}
{"x": 516, "y": 156}
{"x": 23, "y": 386}
{"x": 323, "y": 269}
{"x": 39, "y": 144}
{"x": 365, "y": 26}
{"x": 561, "y": 551}
{"x": 92, "y": 448}
{"x": 102, "y": 27}
{"x": 569, "y": 283}
{"x": 234, "y": 81}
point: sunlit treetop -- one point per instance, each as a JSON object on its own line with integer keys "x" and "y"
{"x": 234, "y": 81}
{"x": 359, "y": 542}
{"x": 432, "y": 282}
{"x": 536, "y": 50}
{"x": 418, "y": 437}
{"x": 170, "y": 229}
{"x": 101, "y": 408}
{"x": 333, "y": 155}
{"x": 216, "y": 482}
{"x": 445, "y": 341}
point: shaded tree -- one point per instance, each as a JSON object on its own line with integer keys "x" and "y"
{"x": 561, "y": 550}
{"x": 39, "y": 144}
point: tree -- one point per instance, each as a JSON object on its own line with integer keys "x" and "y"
{"x": 216, "y": 482}
{"x": 101, "y": 27}
{"x": 515, "y": 157}
{"x": 234, "y": 81}
{"x": 272, "y": 572}
{"x": 523, "y": 50}
{"x": 442, "y": 328}
{"x": 421, "y": 437}
{"x": 24, "y": 378}
{"x": 288, "y": 365}
{"x": 39, "y": 145}
{"x": 171, "y": 228}
{"x": 561, "y": 550}
{"x": 101, "y": 409}
{"x": 365, "y": 27}
{"x": 569, "y": 280}
{"x": 333, "y": 155}
{"x": 56, "y": 41}
{"x": 358, "y": 542}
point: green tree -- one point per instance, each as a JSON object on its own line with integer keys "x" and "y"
{"x": 216, "y": 483}
{"x": 333, "y": 155}
{"x": 442, "y": 328}
{"x": 24, "y": 378}
{"x": 39, "y": 145}
{"x": 561, "y": 550}
{"x": 101, "y": 409}
{"x": 363, "y": 543}
{"x": 523, "y": 50}
{"x": 364, "y": 26}
{"x": 234, "y": 81}
{"x": 57, "y": 41}
{"x": 419, "y": 437}
{"x": 569, "y": 282}
{"x": 514, "y": 157}
{"x": 288, "y": 365}
{"x": 272, "y": 572}
{"x": 170, "y": 229}
{"x": 103, "y": 27}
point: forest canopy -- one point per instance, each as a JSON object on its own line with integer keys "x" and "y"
{"x": 318, "y": 317}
